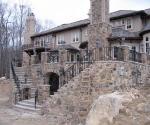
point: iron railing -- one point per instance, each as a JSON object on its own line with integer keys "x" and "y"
{"x": 104, "y": 53}
{"x": 53, "y": 57}
{"x": 109, "y": 53}
{"x": 17, "y": 82}
{"x": 75, "y": 55}
{"x": 135, "y": 56}
{"x": 77, "y": 67}
{"x": 36, "y": 98}
{"x": 27, "y": 46}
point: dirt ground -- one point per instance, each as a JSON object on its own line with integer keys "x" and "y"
{"x": 10, "y": 116}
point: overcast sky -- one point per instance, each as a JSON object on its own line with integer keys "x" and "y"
{"x": 66, "y": 11}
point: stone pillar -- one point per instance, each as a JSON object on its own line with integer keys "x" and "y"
{"x": 125, "y": 52}
{"x": 63, "y": 56}
{"x": 26, "y": 59}
{"x": 144, "y": 58}
{"x": 43, "y": 93}
{"x": 0, "y": 60}
{"x": 33, "y": 59}
{"x": 44, "y": 57}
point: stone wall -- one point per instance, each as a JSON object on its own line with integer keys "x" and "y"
{"x": 75, "y": 98}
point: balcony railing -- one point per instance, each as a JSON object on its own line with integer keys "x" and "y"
{"x": 135, "y": 56}
{"x": 40, "y": 44}
{"x": 27, "y": 46}
{"x": 53, "y": 57}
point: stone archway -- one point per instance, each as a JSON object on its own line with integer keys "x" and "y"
{"x": 53, "y": 81}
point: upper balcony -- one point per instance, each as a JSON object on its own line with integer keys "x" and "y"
{"x": 39, "y": 46}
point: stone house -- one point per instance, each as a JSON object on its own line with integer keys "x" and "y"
{"x": 74, "y": 63}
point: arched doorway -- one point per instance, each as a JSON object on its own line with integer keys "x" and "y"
{"x": 53, "y": 82}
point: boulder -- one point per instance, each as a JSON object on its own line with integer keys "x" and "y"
{"x": 106, "y": 107}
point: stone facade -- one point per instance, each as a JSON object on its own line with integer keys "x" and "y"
{"x": 101, "y": 78}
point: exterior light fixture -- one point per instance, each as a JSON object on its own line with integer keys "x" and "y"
{"x": 39, "y": 72}
{"x": 44, "y": 76}
{"x": 97, "y": 42}
{"x": 61, "y": 71}
{"x": 123, "y": 40}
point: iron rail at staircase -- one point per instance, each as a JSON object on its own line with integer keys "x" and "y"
{"x": 17, "y": 82}
{"x": 36, "y": 98}
{"x": 77, "y": 67}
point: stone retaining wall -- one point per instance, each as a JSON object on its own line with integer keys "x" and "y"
{"x": 105, "y": 77}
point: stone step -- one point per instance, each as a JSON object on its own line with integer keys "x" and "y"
{"x": 30, "y": 101}
{"x": 26, "y": 108}
{"x": 26, "y": 104}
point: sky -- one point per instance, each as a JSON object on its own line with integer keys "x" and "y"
{"x": 67, "y": 11}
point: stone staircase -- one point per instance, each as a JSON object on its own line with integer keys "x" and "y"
{"x": 28, "y": 105}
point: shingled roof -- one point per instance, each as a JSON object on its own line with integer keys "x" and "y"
{"x": 64, "y": 27}
{"x": 85, "y": 22}
{"x": 125, "y": 13}
{"x": 146, "y": 29}
{"x": 119, "y": 32}
{"x": 66, "y": 47}
{"x": 147, "y": 11}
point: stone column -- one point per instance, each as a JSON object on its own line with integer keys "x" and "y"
{"x": 144, "y": 58}
{"x": 43, "y": 93}
{"x": 63, "y": 56}
{"x": 44, "y": 57}
{"x": 125, "y": 52}
{"x": 33, "y": 59}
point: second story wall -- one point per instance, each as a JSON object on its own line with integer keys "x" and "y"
{"x": 132, "y": 24}
{"x": 74, "y": 37}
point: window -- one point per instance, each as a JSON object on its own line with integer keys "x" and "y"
{"x": 147, "y": 48}
{"x": 42, "y": 42}
{"x": 60, "y": 40}
{"x": 128, "y": 24}
{"x": 37, "y": 42}
{"x": 75, "y": 37}
{"x": 115, "y": 52}
{"x": 78, "y": 57}
{"x": 49, "y": 39}
{"x": 147, "y": 39}
{"x": 72, "y": 57}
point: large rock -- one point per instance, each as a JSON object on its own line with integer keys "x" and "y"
{"x": 106, "y": 107}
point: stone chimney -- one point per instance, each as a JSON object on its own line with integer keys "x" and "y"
{"x": 99, "y": 27}
{"x": 30, "y": 28}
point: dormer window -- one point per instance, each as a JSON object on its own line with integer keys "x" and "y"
{"x": 129, "y": 24}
